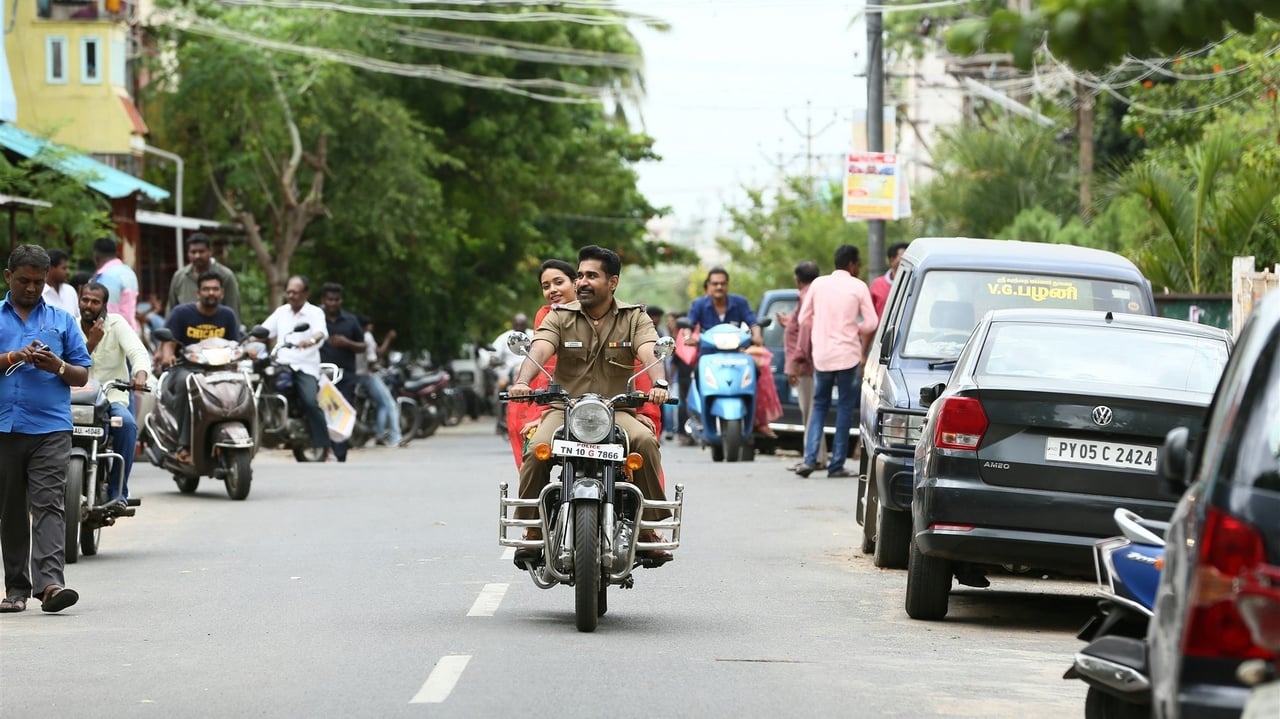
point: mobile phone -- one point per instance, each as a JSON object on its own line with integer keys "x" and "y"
{"x": 40, "y": 346}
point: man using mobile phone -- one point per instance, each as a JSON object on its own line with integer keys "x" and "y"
{"x": 115, "y": 348}
{"x": 42, "y": 355}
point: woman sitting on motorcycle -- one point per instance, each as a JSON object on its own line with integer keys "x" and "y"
{"x": 556, "y": 278}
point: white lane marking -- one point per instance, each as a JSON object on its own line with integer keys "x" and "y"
{"x": 509, "y": 554}
{"x": 488, "y": 601}
{"x": 442, "y": 679}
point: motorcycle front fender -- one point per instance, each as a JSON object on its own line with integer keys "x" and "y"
{"x": 232, "y": 435}
{"x": 587, "y": 489}
{"x": 728, "y": 408}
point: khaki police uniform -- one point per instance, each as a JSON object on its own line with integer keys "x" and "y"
{"x": 595, "y": 357}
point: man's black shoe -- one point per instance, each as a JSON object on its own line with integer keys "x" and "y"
{"x": 839, "y": 473}
{"x": 805, "y": 470}
{"x": 529, "y": 556}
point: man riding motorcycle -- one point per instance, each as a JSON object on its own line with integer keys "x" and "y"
{"x": 596, "y": 341}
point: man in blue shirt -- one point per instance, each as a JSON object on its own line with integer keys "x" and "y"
{"x": 43, "y": 355}
{"x": 718, "y": 307}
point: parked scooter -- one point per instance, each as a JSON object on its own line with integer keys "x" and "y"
{"x": 1114, "y": 663}
{"x": 591, "y": 526}
{"x": 722, "y": 395}
{"x": 1257, "y": 596}
{"x": 223, "y": 417}
{"x": 88, "y": 483}
{"x": 284, "y": 425}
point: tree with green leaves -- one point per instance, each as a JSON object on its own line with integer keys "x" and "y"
{"x": 1212, "y": 207}
{"x": 1096, "y": 34}
{"x": 75, "y": 213}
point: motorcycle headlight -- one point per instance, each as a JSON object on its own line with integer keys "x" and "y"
{"x": 82, "y": 414}
{"x": 590, "y": 421}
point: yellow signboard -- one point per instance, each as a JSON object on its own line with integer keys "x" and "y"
{"x": 873, "y": 187}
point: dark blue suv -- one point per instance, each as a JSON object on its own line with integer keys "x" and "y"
{"x": 943, "y": 286}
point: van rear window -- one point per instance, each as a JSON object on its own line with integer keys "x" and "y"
{"x": 951, "y": 302}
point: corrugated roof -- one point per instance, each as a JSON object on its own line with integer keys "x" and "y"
{"x": 101, "y": 177}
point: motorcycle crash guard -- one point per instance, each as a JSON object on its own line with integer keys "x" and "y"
{"x": 232, "y": 435}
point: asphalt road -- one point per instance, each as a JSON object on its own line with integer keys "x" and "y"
{"x": 377, "y": 589}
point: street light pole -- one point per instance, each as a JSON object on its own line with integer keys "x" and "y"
{"x": 177, "y": 197}
{"x": 875, "y": 129}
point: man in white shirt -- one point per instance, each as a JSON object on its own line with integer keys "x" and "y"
{"x": 116, "y": 350}
{"x": 304, "y": 357}
{"x": 57, "y": 291}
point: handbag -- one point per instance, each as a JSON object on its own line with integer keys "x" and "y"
{"x": 339, "y": 415}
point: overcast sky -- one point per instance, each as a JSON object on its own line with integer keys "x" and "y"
{"x": 723, "y": 82}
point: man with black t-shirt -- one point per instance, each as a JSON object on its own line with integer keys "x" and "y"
{"x": 190, "y": 323}
{"x": 346, "y": 339}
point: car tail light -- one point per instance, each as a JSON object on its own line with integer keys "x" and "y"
{"x": 961, "y": 424}
{"x": 1229, "y": 548}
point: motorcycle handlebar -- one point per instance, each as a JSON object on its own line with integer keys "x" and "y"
{"x": 633, "y": 399}
{"x": 125, "y": 385}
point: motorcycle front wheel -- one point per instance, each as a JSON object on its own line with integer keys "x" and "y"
{"x": 186, "y": 485}
{"x": 586, "y": 565}
{"x": 239, "y": 473}
{"x": 308, "y": 454}
{"x": 72, "y": 504}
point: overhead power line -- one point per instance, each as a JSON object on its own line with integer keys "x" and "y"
{"x": 614, "y": 17}
{"x": 528, "y": 87}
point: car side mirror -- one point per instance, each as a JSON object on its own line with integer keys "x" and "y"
{"x": 1171, "y": 464}
{"x": 886, "y": 344}
{"x": 930, "y": 393}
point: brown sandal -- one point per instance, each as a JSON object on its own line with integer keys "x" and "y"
{"x": 13, "y": 604}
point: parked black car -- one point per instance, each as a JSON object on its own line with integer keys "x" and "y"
{"x": 943, "y": 286}
{"x": 1226, "y": 525}
{"x": 1050, "y": 421}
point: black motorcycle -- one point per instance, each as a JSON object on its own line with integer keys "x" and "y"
{"x": 283, "y": 424}
{"x": 88, "y": 483}
{"x": 592, "y": 517}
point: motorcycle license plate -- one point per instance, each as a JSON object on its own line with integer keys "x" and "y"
{"x": 565, "y": 448}
{"x": 88, "y": 431}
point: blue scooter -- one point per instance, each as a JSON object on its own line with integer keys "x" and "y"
{"x": 722, "y": 395}
{"x": 1114, "y": 662}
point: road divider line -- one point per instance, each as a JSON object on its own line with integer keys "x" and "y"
{"x": 509, "y": 554}
{"x": 443, "y": 678}
{"x": 488, "y": 601}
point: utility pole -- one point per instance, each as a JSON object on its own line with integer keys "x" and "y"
{"x": 1084, "y": 133}
{"x": 875, "y": 129}
{"x": 808, "y": 134}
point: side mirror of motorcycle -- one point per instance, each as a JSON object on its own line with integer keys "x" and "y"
{"x": 519, "y": 343}
{"x": 164, "y": 334}
{"x": 302, "y": 327}
{"x": 664, "y": 347}
{"x": 259, "y": 332}
{"x": 684, "y": 323}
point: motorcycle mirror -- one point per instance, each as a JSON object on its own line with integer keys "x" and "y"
{"x": 164, "y": 334}
{"x": 259, "y": 332}
{"x": 684, "y": 323}
{"x": 519, "y": 342}
{"x": 664, "y": 347}
{"x": 302, "y": 327}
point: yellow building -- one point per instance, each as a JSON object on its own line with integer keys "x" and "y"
{"x": 69, "y": 63}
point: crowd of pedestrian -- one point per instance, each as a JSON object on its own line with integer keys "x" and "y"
{"x": 59, "y": 329}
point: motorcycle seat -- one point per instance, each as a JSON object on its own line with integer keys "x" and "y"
{"x": 87, "y": 395}
{"x": 425, "y": 380}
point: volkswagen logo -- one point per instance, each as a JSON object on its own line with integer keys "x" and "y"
{"x": 1102, "y": 415}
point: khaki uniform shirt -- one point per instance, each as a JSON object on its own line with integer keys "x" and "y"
{"x": 596, "y": 358}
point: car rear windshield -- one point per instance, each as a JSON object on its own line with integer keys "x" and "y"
{"x": 1064, "y": 354}
{"x": 952, "y": 301}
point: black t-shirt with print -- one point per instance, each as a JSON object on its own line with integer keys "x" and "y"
{"x": 189, "y": 326}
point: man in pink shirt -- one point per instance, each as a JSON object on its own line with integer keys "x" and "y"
{"x": 118, "y": 278}
{"x": 799, "y": 364}
{"x": 839, "y": 308}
